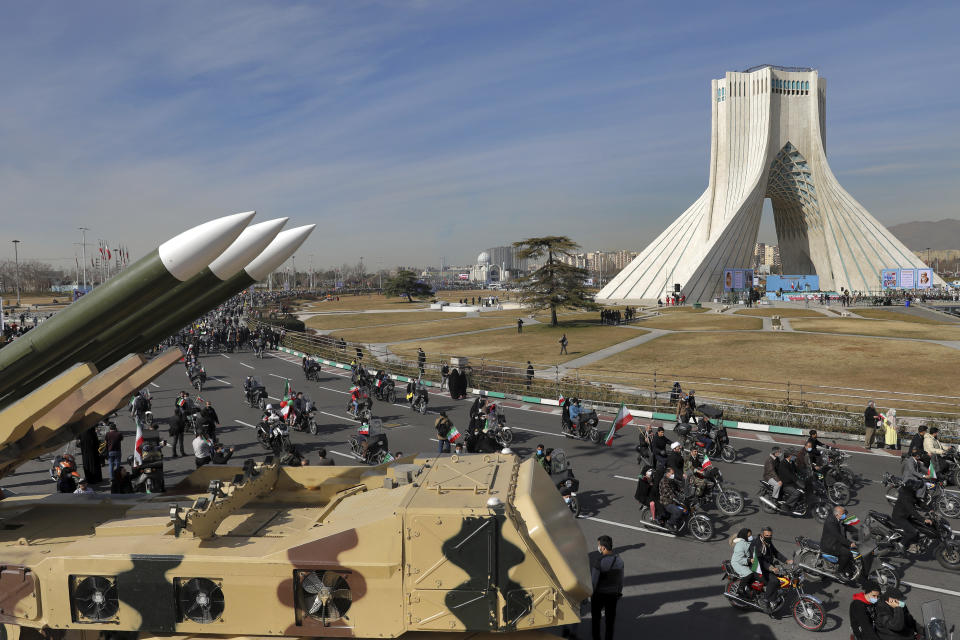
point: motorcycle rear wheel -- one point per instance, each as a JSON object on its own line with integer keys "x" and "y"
{"x": 886, "y": 578}
{"x": 949, "y": 506}
{"x": 701, "y": 528}
{"x": 765, "y": 507}
{"x": 728, "y": 453}
{"x": 574, "y": 506}
{"x": 506, "y": 436}
{"x": 595, "y": 436}
{"x": 809, "y": 613}
{"x": 313, "y": 427}
{"x": 948, "y": 555}
{"x": 839, "y": 494}
{"x": 731, "y": 588}
{"x": 808, "y": 558}
{"x": 821, "y": 511}
{"x": 392, "y": 396}
{"x": 730, "y": 502}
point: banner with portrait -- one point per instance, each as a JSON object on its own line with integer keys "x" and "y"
{"x": 888, "y": 278}
{"x": 924, "y": 278}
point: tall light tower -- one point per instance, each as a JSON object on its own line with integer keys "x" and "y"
{"x": 83, "y": 248}
{"x": 16, "y": 260}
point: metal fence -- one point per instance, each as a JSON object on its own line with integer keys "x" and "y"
{"x": 779, "y": 402}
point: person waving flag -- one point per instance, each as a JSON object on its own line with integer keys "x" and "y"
{"x": 285, "y": 400}
{"x": 624, "y": 417}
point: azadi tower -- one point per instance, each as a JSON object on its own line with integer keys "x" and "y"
{"x": 768, "y": 140}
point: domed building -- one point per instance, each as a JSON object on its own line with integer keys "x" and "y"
{"x": 498, "y": 264}
{"x": 485, "y": 272}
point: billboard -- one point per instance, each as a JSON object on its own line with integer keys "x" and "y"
{"x": 888, "y": 278}
{"x": 463, "y": 276}
{"x": 737, "y": 279}
{"x": 908, "y": 278}
{"x": 924, "y": 278}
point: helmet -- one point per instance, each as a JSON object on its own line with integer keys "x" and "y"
{"x": 269, "y": 407}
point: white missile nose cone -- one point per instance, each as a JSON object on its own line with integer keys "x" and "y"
{"x": 282, "y": 247}
{"x": 248, "y": 246}
{"x": 185, "y": 255}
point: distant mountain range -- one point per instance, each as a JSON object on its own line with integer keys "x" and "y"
{"x": 944, "y": 234}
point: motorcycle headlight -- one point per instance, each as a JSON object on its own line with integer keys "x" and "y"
{"x": 569, "y": 483}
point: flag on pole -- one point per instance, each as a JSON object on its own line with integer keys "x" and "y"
{"x": 755, "y": 564}
{"x": 285, "y": 401}
{"x": 364, "y": 429}
{"x": 388, "y": 457}
{"x": 851, "y": 520}
{"x": 138, "y": 445}
{"x": 931, "y": 471}
{"x": 707, "y": 463}
{"x": 453, "y": 435}
{"x": 624, "y": 417}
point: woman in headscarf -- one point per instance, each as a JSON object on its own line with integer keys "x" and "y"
{"x": 891, "y": 437}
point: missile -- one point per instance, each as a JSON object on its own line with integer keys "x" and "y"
{"x": 245, "y": 248}
{"x": 173, "y": 262}
{"x": 186, "y": 311}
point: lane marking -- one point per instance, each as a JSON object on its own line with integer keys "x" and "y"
{"x": 345, "y": 455}
{"x": 225, "y": 356}
{"x": 246, "y": 424}
{"x": 626, "y": 478}
{"x": 223, "y": 381}
{"x": 629, "y": 526}
{"x": 154, "y": 384}
{"x": 246, "y": 365}
{"x": 276, "y": 376}
{"x": 937, "y": 589}
{"x": 764, "y": 437}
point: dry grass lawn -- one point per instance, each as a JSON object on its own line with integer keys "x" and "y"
{"x": 797, "y": 358}
{"x": 783, "y": 313}
{"x": 699, "y": 322}
{"x": 686, "y": 309}
{"x": 428, "y": 329}
{"x": 903, "y": 316}
{"x": 538, "y": 343}
{"x": 883, "y": 328}
{"x": 356, "y": 320}
{"x": 362, "y": 303}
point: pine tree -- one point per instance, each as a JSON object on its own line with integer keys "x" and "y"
{"x": 405, "y": 283}
{"x": 555, "y": 284}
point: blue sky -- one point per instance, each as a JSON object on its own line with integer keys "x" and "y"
{"x": 411, "y": 130}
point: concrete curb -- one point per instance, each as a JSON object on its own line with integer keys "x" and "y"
{"x": 650, "y": 415}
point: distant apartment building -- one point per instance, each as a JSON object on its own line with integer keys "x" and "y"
{"x": 766, "y": 255}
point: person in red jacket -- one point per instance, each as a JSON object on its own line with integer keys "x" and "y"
{"x": 863, "y": 610}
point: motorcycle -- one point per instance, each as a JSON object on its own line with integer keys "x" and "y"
{"x": 771, "y": 505}
{"x": 936, "y": 537}
{"x": 568, "y": 485}
{"x": 272, "y": 433}
{"x": 710, "y": 425}
{"x": 377, "y": 450}
{"x": 385, "y": 390}
{"x": 495, "y": 425}
{"x": 418, "y": 399}
{"x": 198, "y": 379}
{"x": 835, "y": 471}
{"x": 729, "y": 501}
{"x": 364, "y": 410}
{"x": 815, "y": 562}
{"x": 586, "y": 428}
{"x": 946, "y": 502}
{"x": 313, "y": 371}
{"x": 699, "y": 524}
{"x": 257, "y": 396}
{"x": 807, "y": 610}
{"x": 304, "y": 421}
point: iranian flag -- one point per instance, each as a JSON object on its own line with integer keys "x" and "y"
{"x": 931, "y": 472}
{"x": 388, "y": 457}
{"x": 851, "y": 520}
{"x": 285, "y": 401}
{"x": 707, "y": 463}
{"x": 138, "y": 446}
{"x": 453, "y": 435}
{"x": 755, "y": 564}
{"x": 623, "y": 418}
{"x": 364, "y": 429}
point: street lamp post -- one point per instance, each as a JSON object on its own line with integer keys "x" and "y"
{"x": 16, "y": 260}
{"x": 83, "y": 248}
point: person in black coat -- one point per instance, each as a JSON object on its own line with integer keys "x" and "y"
{"x": 768, "y": 556}
{"x": 787, "y": 472}
{"x": 916, "y": 443}
{"x": 893, "y": 620}
{"x": 834, "y": 541}
{"x": 647, "y": 491}
{"x": 661, "y": 446}
{"x": 907, "y": 510}
{"x": 675, "y": 460}
{"x": 863, "y": 610}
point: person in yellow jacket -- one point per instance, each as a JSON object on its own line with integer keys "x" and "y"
{"x": 891, "y": 437}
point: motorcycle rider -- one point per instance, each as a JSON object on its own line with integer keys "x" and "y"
{"x": 541, "y": 457}
{"x": 916, "y": 443}
{"x": 683, "y": 409}
{"x": 675, "y": 460}
{"x": 476, "y": 411}
{"x": 933, "y": 448}
{"x": 299, "y": 406}
{"x": 893, "y": 618}
{"x": 671, "y": 497}
{"x": 912, "y": 469}
{"x": 906, "y": 510}
{"x": 863, "y": 610}
{"x": 834, "y": 541}
{"x": 575, "y": 415}
{"x": 210, "y": 420}
{"x": 787, "y": 473}
{"x": 705, "y": 433}
{"x": 770, "y": 472}
{"x": 741, "y": 559}
{"x": 806, "y": 463}
{"x": 356, "y": 395}
{"x": 646, "y": 493}
{"x": 661, "y": 446}
{"x": 767, "y": 556}
{"x": 816, "y": 444}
